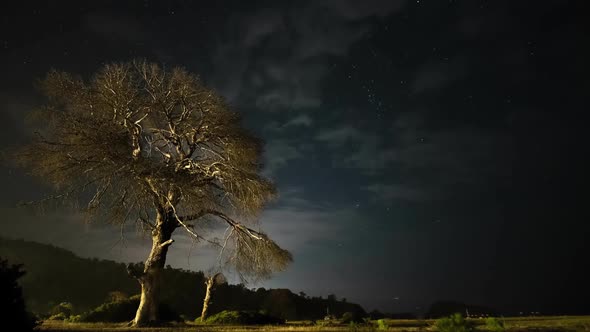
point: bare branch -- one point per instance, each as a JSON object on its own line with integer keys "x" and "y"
{"x": 166, "y": 243}
{"x": 141, "y": 143}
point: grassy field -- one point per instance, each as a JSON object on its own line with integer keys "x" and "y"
{"x": 554, "y": 323}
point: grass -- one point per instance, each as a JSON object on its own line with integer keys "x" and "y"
{"x": 512, "y": 324}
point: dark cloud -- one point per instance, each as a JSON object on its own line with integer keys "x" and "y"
{"x": 300, "y": 120}
{"x": 434, "y": 76}
{"x": 278, "y": 153}
{"x": 389, "y": 193}
{"x": 274, "y": 58}
{"x": 339, "y": 136}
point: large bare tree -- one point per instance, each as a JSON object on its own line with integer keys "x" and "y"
{"x": 138, "y": 143}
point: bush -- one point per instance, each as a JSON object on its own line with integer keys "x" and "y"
{"x": 13, "y": 312}
{"x": 494, "y": 324}
{"x": 227, "y": 317}
{"x": 65, "y": 309}
{"x": 58, "y": 316}
{"x": 124, "y": 311}
{"x": 353, "y": 327}
{"x": 453, "y": 323}
{"x": 351, "y": 317}
{"x": 116, "y": 296}
{"x": 382, "y": 325}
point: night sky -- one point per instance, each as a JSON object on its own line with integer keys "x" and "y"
{"x": 423, "y": 150}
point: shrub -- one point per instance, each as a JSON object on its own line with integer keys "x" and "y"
{"x": 58, "y": 316}
{"x": 494, "y": 324}
{"x": 376, "y": 314}
{"x": 453, "y": 323}
{"x": 227, "y": 317}
{"x": 353, "y": 327}
{"x": 351, "y": 317}
{"x": 116, "y": 296}
{"x": 64, "y": 308}
{"x": 124, "y": 311}
{"x": 382, "y": 325}
{"x": 13, "y": 312}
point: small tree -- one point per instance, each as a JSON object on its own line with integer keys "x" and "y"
{"x": 142, "y": 144}
{"x": 210, "y": 281}
{"x": 13, "y": 313}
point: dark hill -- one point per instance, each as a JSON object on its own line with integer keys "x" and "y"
{"x": 56, "y": 275}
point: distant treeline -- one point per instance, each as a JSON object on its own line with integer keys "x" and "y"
{"x": 56, "y": 275}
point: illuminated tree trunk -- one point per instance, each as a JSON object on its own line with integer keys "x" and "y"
{"x": 150, "y": 278}
{"x": 209, "y": 284}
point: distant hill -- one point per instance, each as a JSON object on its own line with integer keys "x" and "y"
{"x": 57, "y": 275}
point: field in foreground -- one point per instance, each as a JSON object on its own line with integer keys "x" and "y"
{"x": 553, "y": 323}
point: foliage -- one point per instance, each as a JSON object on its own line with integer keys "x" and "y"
{"x": 13, "y": 311}
{"x": 494, "y": 324}
{"x": 353, "y": 326}
{"x": 64, "y": 309}
{"x": 58, "y": 316}
{"x": 351, "y": 317}
{"x": 123, "y": 311}
{"x": 382, "y": 325}
{"x": 116, "y": 296}
{"x": 440, "y": 309}
{"x": 376, "y": 314}
{"x": 46, "y": 265}
{"x": 228, "y": 317}
{"x": 453, "y": 323}
{"x": 140, "y": 143}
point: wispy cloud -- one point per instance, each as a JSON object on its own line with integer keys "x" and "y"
{"x": 389, "y": 193}
{"x": 278, "y": 153}
{"x": 274, "y": 59}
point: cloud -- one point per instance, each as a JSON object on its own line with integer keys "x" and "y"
{"x": 339, "y": 135}
{"x": 275, "y": 59}
{"x": 435, "y": 75}
{"x": 387, "y": 193}
{"x": 359, "y": 9}
{"x": 303, "y": 120}
{"x": 353, "y": 148}
{"x": 371, "y": 156}
{"x": 278, "y": 153}
{"x": 425, "y": 158}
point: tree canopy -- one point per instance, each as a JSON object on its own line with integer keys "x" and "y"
{"x": 139, "y": 143}
{"x": 136, "y": 136}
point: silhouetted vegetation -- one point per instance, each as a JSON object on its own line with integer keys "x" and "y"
{"x": 123, "y": 311}
{"x": 352, "y": 317}
{"x": 250, "y": 317}
{"x": 61, "y": 311}
{"x": 110, "y": 282}
{"x": 13, "y": 312}
{"x": 453, "y": 323}
{"x": 446, "y": 308}
{"x": 494, "y": 324}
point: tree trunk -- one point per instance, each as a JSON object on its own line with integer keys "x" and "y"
{"x": 150, "y": 279}
{"x": 209, "y": 284}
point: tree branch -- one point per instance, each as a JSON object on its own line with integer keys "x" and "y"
{"x": 166, "y": 243}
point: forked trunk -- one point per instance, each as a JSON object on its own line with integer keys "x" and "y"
{"x": 209, "y": 284}
{"x": 150, "y": 278}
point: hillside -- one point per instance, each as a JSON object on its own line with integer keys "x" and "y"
{"x": 56, "y": 275}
